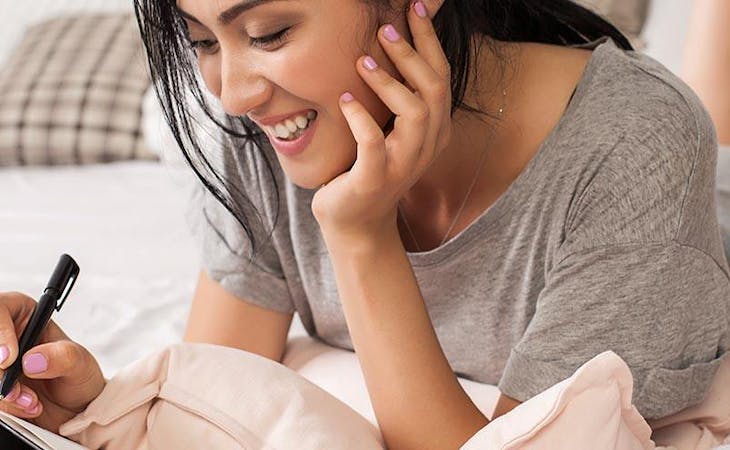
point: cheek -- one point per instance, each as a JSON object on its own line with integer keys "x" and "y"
{"x": 335, "y": 72}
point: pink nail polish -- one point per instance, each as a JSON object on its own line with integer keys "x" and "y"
{"x": 347, "y": 97}
{"x": 390, "y": 33}
{"x": 35, "y": 363}
{"x": 420, "y": 9}
{"x": 369, "y": 63}
{"x": 24, "y": 400}
{"x": 35, "y": 409}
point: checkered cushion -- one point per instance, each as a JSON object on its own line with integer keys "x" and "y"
{"x": 72, "y": 93}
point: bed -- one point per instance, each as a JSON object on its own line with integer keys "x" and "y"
{"x": 123, "y": 221}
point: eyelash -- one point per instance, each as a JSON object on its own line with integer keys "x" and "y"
{"x": 275, "y": 38}
{"x": 261, "y": 42}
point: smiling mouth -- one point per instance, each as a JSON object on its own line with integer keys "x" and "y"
{"x": 293, "y": 128}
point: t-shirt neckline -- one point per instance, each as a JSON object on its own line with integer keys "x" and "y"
{"x": 520, "y": 186}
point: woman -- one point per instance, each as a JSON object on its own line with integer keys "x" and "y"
{"x": 500, "y": 194}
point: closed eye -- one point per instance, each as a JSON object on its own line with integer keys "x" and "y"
{"x": 204, "y": 45}
{"x": 267, "y": 41}
{"x": 270, "y": 40}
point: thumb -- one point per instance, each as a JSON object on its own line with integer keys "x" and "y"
{"x": 60, "y": 359}
{"x": 74, "y": 377}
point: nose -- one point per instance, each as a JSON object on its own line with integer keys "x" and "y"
{"x": 243, "y": 87}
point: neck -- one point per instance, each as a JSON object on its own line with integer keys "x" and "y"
{"x": 439, "y": 193}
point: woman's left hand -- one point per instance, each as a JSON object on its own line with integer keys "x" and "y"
{"x": 362, "y": 202}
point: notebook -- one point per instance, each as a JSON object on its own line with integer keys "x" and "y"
{"x": 42, "y": 438}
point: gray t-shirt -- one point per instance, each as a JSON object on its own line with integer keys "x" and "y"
{"x": 608, "y": 240}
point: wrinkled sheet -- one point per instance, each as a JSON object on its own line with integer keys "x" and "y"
{"x": 124, "y": 224}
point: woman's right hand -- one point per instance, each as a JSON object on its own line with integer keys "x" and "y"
{"x": 60, "y": 377}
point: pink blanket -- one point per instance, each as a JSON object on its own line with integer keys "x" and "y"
{"x": 193, "y": 396}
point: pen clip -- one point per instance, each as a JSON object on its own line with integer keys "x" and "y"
{"x": 66, "y": 291}
{"x": 63, "y": 278}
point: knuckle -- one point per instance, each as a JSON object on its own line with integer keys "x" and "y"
{"x": 440, "y": 91}
{"x": 408, "y": 51}
{"x": 445, "y": 69}
{"x": 361, "y": 115}
{"x": 9, "y": 407}
{"x": 7, "y": 336}
{"x": 422, "y": 113}
{"x": 424, "y": 33}
{"x": 367, "y": 189}
{"x": 389, "y": 81}
{"x": 372, "y": 140}
{"x": 68, "y": 356}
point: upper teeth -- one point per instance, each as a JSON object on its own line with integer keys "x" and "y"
{"x": 290, "y": 126}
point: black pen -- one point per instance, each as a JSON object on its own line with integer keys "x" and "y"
{"x": 53, "y": 297}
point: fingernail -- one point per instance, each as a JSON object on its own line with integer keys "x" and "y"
{"x": 4, "y": 353}
{"x": 420, "y": 9}
{"x": 24, "y": 400}
{"x": 35, "y": 409}
{"x": 369, "y": 63}
{"x": 390, "y": 33}
{"x": 35, "y": 363}
{"x": 347, "y": 97}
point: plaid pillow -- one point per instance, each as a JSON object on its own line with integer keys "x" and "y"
{"x": 72, "y": 93}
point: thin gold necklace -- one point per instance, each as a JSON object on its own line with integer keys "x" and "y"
{"x": 466, "y": 197}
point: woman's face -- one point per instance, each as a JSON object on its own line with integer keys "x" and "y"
{"x": 311, "y": 65}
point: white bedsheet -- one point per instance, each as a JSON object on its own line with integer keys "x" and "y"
{"x": 124, "y": 224}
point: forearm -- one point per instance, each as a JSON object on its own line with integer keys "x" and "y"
{"x": 417, "y": 399}
{"x": 706, "y": 65}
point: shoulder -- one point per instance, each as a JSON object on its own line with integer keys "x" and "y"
{"x": 628, "y": 93}
{"x": 649, "y": 152}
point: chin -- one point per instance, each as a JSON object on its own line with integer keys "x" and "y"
{"x": 306, "y": 178}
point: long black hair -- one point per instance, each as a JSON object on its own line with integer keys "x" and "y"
{"x": 173, "y": 68}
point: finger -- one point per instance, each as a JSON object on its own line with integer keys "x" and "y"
{"x": 412, "y": 114}
{"x": 432, "y": 88}
{"x": 15, "y": 311}
{"x": 416, "y": 70}
{"x": 370, "y": 163}
{"x": 57, "y": 360}
{"x": 8, "y": 338}
{"x": 433, "y": 7}
{"x": 426, "y": 41}
{"x": 22, "y": 402}
{"x": 397, "y": 97}
{"x": 19, "y": 308}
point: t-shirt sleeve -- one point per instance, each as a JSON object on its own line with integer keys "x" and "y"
{"x": 225, "y": 253}
{"x": 640, "y": 269}
{"x": 661, "y": 307}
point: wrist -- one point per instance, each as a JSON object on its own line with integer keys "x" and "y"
{"x": 362, "y": 243}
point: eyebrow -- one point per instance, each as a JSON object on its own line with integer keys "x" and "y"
{"x": 230, "y": 14}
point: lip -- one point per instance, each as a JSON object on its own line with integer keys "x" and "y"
{"x": 291, "y": 148}
{"x": 273, "y": 120}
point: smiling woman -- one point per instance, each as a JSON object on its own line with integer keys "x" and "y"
{"x": 496, "y": 189}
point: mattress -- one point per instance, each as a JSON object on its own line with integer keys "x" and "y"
{"x": 124, "y": 224}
